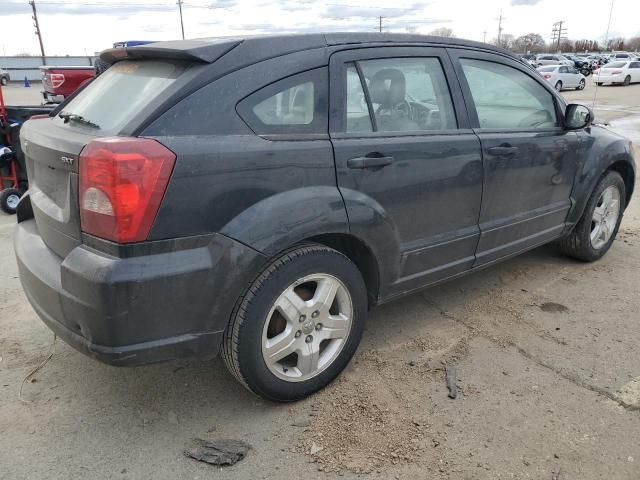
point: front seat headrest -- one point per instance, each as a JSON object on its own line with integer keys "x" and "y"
{"x": 388, "y": 87}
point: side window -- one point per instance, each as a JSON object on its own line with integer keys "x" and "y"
{"x": 505, "y": 97}
{"x": 563, "y": 70}
{"x": 357, "y": 111}
{"x": 294, "y": 105}
{"x": 635, "y": 65}
{"x": 405, "y": 95}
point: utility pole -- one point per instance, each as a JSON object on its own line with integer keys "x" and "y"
{"x": 558, "y": 33}
{"x": 37, "y": 25}
{"x": 181, "y": 22}
{"x": 380, "y": 24}
{"x": 500, "y": 19}
{"x": 484, "y": 37}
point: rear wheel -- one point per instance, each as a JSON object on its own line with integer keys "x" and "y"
{"x": 581, "y": 85}
{"x": 594, "y": 233}
{"x": 558, "y": 86}
{"x": 9, "y": 198}
{"x": 599, "y": 84}
{"x": 298, "y": 325}
{"x": 627, "y": 80}
{"x": 4, "y": 81}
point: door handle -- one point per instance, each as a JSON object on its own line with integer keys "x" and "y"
{"x": 369, "y": 161}
{"x": 502, "y": 151}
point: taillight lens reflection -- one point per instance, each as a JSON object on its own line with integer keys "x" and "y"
{"x": 122, "y": 182}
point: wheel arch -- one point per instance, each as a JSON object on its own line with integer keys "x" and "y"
{"x": 627, "y": 173}
{"x": 360, "y": 254}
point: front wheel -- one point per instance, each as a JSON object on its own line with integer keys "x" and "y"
{"x": 4, "y": 81}
{"x": 298, "y": 325}
{"x": 593, "y": 235}
{"x": 581, "y": 85}
{"x": 599, "y": 84}
{"x": 558, "y": 86}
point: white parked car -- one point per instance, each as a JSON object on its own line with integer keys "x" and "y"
{"x": 623, "y": 73}
{"x": 553, "y": 59}
{"x": 562, "y": 76}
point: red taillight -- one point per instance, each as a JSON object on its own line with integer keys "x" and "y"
{"x": 53, "y": 80}
{"x": 39, "y": 116}
{"x": 547, "y": 76}
{"x": 122, "y": 182}
{"x": 616, "y": 72}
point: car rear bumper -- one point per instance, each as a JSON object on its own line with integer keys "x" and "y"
{"x": 140, "y": 309}
{"x": 609, "y": 79}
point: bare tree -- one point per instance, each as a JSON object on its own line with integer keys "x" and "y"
{"x": 442, "y": 32}
{"x": 633, "y": 44}
{"x": 506, "y": 41}
{"x": 586, "y": 46}
{"x": 529, "y": 43}
{"x": 614, "y": 44}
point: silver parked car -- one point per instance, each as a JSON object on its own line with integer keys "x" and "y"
{"x": 553, "y": 59}
{"x": 563, "y": 76}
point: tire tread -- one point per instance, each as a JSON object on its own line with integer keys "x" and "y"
{"x": 230, "y": 343}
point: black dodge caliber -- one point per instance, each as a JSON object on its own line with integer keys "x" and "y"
{"x": 254, "y": 197}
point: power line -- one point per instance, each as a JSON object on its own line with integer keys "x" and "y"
{"x": 181, "y": 22}
{"x": 500, "y": 19}
{"x": 558, "y": 33}
{"x": 37, "y": 25}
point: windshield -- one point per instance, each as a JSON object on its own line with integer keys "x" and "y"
{"x": 117, "y": 95}
{"x": 616, "y": 65}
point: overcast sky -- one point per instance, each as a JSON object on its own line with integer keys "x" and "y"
{"x": 79, "y": 27}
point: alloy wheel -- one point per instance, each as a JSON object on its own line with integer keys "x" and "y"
{"x": 605, "y": 217}
{"x": 307, "y": 327}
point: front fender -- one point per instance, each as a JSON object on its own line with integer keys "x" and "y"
{"x": 600, "y": 148}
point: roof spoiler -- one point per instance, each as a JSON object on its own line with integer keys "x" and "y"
{"x": 191, "y": 50}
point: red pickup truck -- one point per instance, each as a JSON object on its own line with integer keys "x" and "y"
{"x": 59, "y": 82}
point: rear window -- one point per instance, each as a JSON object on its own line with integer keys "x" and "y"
{"x": 117, "y": 95}
{"x": 616, "y": 65}
{"x": 547, "y": 69}
{"x": 291, "y": 106}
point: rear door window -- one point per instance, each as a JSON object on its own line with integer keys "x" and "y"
{"x": 294, "y": 105}
{"x": 116, "y": 96}
{"x": 404, "y": 94}
{"x": 508, "y": 98}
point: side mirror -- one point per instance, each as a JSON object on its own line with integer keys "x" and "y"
{"x": 577, "y": 116}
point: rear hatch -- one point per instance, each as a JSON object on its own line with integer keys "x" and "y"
{"x": 52, "y": 145}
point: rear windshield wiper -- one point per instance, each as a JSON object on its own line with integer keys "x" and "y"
{"x": 77, "y": 118}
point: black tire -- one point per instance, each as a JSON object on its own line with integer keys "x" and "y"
{"x": 243, "y": 339}
{"x": 581, "y": 85}
{"x": 8, "y": 200}
{"x": 4, "y": 81}
{"x": 558, "y": 86}
{"x": 599, "y": 84}
{"x": 578, "y": 243}
{"x": 627, "y": 81}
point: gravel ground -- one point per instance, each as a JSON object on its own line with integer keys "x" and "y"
{"x": 549, "y": 386}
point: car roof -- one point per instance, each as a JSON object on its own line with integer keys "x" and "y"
{"x": 208, "y": 50}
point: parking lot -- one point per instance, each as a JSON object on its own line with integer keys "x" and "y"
{"x": 545, "y": 350}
